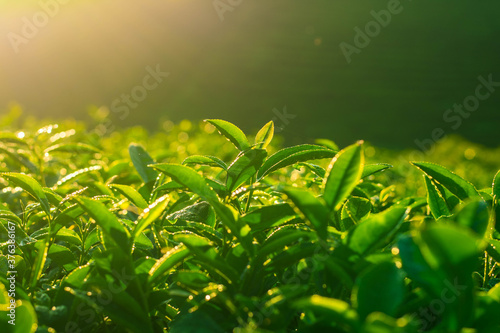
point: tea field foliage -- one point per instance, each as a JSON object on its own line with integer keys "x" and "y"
{"x": 202, "y": 228}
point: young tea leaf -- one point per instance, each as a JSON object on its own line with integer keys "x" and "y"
{"x": 496, "y": 185}
{"x": 73, "y": 148}
{"x": 342, "y": 176}
{"x": 371, "y": 169}
{"x": 336, "y": 310}
{"x": 265, "y": 135}
{"x": 244, "y": 167}
{"x": 455, "y": 184}
{"x": 196, "y": 183}
{"x": 131, "y": 194}
{"x": 436, "y": 202}
{"x": 29, "y": 185}
{"x": 311, "y": 207}
{"x": 42, "y": 247}
{"x": 291, "y": 155}
{"x": 114, "y": 233}
{"x": 166, "y": 263}
{"x": 205, "y": 160}
{"x": 369, "y": 233}
{"x": 142, "y": 160}
{"x": 231, "y": 132}
{"x": 150, "y": 214}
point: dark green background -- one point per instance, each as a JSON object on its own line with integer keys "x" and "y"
{"x": 264, "y": 56}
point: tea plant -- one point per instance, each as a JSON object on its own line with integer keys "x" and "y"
{"x": 256, "y": 239}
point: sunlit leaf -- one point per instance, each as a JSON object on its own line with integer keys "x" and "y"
{"x": 291, "y": 155}
{"x": 265, "y": 135}
{"x": 343, "y": 175}
{"x": 231, "y": 132}
{"x": 455, "y": 184}
{"x": 31, "y": 186}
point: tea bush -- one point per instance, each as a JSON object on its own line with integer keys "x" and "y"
{"x": 207, "y": 232}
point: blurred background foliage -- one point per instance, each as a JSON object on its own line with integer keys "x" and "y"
{"x": 174, "y": 141}
{"x": 263, "y": 56}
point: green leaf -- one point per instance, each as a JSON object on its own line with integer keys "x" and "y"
{"x": 114, "y": 233}
{"x": 9, "y": 137}
{"x": 193, "y": 279}
{"x": 343, "y": 174}
{"x": 451, "y": 252}
{"x": 435, "y": 200}
{"x": 313, "y": 209}
{"x": 198, "y": 212}
{"x": 198, "y": 228}
{"x": 74, "y": 148}
{"x": 475, "y": 216}
{"x": 244, "y": 167}
{"x": 29, "y": 185}
{"x": 269, "y": 216}
{"x": 188, "y": 178}
{"x": 495, "y": 292}
{"x": 370, "y": 233}
{"x": 169, "y": 186}
{"x": 486, "y": 313}
{"x": 442, "y": 239}
{"x": 496, "y": 185}
{"x": 281, "y": 239}
{"x": 291, "y": 155}
{"x": 327, "y": 143}
{"x": 166, "y": 263}
{"x": 68, "y": 215}
{"x": 42, "y": 247}
{"x": 196, "y": 183}
{"x": 196, "y": 322}
{"x": 452, "y": 201}
{"x": 20, "y": 159}
{"x": 10, "y": 216}
{"x": 370, "y": 169}
{"x": 143, "y": 242}
{"x": 62, "y": 256}
{"x": 205, "y": 160}
{"x": 77, "y": 278}
{"x": 335, "y": 310}
{"x": 69, "y": 236}
{"x": 380, "y": 288}
{"x": 291, "y": 257}
{"x": 231, "y": 132}
{"x": 315, "y": 169}
{"x": 77, "y": 174}
{"x": 131, "y": 194}
{"x": 203, "y": 249}
{"x": 455, "y": 184}
{"x": 493, "y": 249}
{"x": 417, "y": 267}
{"x": 265, "y": 135}
{"x": 150, "y": 214}
{"x": 354, "y": 210}
{"x": 142, "y": 160}
{"x": 121, "y": 307}
{"x": 25, "y": 318}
